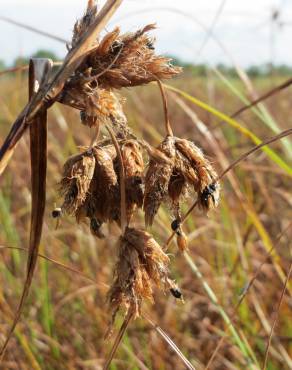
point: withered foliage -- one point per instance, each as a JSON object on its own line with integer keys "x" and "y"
{"x": 185, "y": 167}
{"x": 141, "y": 262}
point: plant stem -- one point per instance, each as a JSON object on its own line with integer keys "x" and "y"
{"x": 118, "y": 339}
{"x": 165, "y": 108}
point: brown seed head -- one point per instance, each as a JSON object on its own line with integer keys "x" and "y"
{"x": 101, "y": 197}
{"x": 134, "y": 168}
{"x": 77, "y": 176}
{"x": 129, "y": 60}
{"x": 185, "y": 167}
{"x": 141, "y": 262}
{"x": 102, "y": 203}
{"x": 133, "y": 171}
{"x": 117, "y": 61}
{"x": 198, "y": 172}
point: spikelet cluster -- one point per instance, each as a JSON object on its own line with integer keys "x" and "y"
{"x": 115, "y": 61}
{"x": 91, "y": 184}
{"x": 78, "y": 173}
{"x": 93, "y": 181}
{"x": 141, "y": 262}
{"x": 185, "y": 167}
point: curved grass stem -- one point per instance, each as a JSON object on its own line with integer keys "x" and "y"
{"x": 165, "y": 108}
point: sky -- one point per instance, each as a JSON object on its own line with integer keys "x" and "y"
{"x": 244, "y": 31}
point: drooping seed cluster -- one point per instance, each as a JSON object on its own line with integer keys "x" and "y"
{"x": 93, "y": 181}
{"x": 140, "y": 261}
{"x": 116, "y": 61}
{"x": 185, "y": 167}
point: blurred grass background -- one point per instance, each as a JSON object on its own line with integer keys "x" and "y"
{"x": 66, "y": 317}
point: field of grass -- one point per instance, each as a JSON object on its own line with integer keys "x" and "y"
{"x": 247, "y": 238}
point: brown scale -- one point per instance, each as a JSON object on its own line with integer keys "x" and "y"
{"x": 133, "y": 169}
{"x": 157, "y": 179}
{"x": 104, "y": 184}
{"x": 78, "y": 173}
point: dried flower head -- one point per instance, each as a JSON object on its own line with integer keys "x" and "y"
{"x": 141, "y": 262}
{"x": 101, "y": 107}
{"x": 116, "y": 61}
{"x": 186, "y": 167}
{"x": 129, "y": 60}
{"x": 103, "y": 187}
{"x": 77, "y": 175}
{"x": 91, "y": 184}
{"x": 198, "y": 172}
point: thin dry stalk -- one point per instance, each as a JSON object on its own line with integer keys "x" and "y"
{"x": 170, "y": 342}
{"x": 263, "y": 97}
{"x": 57, "y": 263}
{"x": 33, "y": 29}
{"x": 276, "y": 318}
{"x": 118, "y": 339}
{"x": 254, "y": 149}
{"x": 165, "y": 107}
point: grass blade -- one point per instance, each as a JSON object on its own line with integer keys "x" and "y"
{"x": 39, "y": 72}
{"x": 260, "y": 111}
{"x": 118, "y": 339}
{"x": 232, "y": 122}
{"x": 170, "y": 342}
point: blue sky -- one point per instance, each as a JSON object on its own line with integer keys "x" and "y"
{"x": 244, "y": 27}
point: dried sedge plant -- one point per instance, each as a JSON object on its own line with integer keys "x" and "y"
{"x": 107, "y": 181}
